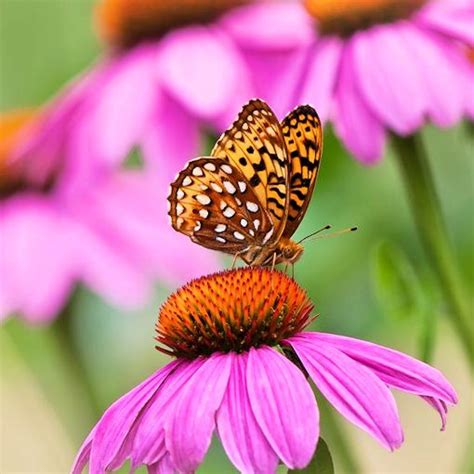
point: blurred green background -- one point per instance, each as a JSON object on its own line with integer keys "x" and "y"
{"x": 374, "y": 284}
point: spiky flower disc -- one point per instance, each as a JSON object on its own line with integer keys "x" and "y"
{"x": 232, "y": 311}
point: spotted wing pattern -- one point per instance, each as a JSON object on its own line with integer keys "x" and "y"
{"x": 254, "y": 144}
{"x": 303, "y": 137}
{"x": 213, "y": 203}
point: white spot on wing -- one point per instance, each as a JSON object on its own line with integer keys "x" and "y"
{"x": 187, "y": 181}
{"x": 242, "y": 186}
{"x": 203, "y": 199}
{"x": 179, "y": 209}
{"x": 222, "y": 205}
{"x": 230, "y": 188}
{"x": 210, "y": 167}
{"x": 251, "y": 232}
{"x": 267, "y": 236}
{"x": 203, "y": 213}
{"x": 256, "y": 223}
{"x": 220, "y": 228}
{"x": 239, "y": 236}
{"x": 180, "y": 194}
{"x": 228, "y": 212}
{"x": 198, "y": 171}
{"x": 197, "y": 226}
{"x": 226, "y": 169}
{"x": 221, "y": 239}
{"x": 251, "y": 206}
{"x": 244, "y": 222}
{"x": 216, "y": 187}
{"x": 179, "y": 222}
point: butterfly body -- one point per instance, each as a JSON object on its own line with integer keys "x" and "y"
{"x": 249, "y": 196}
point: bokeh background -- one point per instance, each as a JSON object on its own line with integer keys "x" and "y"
{"x": 374, "y": 284}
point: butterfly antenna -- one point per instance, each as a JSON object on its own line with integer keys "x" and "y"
{"x": 335, "y": 234}
{"x": 326, "y": 227}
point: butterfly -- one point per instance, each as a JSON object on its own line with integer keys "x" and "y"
{"x": 248, "y": 198}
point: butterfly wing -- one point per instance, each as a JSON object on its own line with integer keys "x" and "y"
{"x": 212, "y": 202}
{"x": 303, "y": 137}
{"x": 254, "y": 144}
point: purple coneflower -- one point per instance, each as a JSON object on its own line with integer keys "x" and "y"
{"x": 242, "y": 370}
{"x": 67, "y": 218}
{"x": 368, "y": 65}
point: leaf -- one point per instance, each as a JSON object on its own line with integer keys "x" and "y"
{"x": 320, "y": 464}
{"x": 398, "y": 287}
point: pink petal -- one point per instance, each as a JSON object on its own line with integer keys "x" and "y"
{"x": 283, "y": 405}
{"x": 126, "y": 95}
{"x": 359, "y": 129}
{"x": 83, "y": 455}
{"x": 321, "y": 75}
{"x": 352, "y": 389}
{"x": 384, "y": 69}
{"x": 149, "y": 437}
{"x": 270, "y": 25}
{"x": 441, "y": 407}
{"x": 452, "y": 18}
{"x": 444, "y": 91}
{"x": 116, "y": 423}
{"x": 164, "y": 466}
{"x": 242, "y": 438}
{"x": 200, "y": 67}
{"x": 36, "y": 257}
{"x": 105, "y": 266}
{"x": 189, "y": 430}
{"x": 394, "y": 368}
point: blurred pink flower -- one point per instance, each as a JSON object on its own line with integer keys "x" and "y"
{"x": 234, "y": 382}
{"x": 362, "y": 72}
{"x": 66, "y": 216}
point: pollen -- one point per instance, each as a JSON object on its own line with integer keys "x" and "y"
{"x": 346, "y": 16}
{"x": 232, "y": 311}
{"x": 124, "y": 23}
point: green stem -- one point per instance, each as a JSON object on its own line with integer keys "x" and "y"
{"x": 426, "y": 209}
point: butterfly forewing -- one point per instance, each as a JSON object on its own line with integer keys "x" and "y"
{"x": 212, "y": 202}
{"x": 255, "y": 145}
{"x": 303, "y": 137}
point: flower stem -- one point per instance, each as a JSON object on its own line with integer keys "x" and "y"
{"x": 416, "y": 173}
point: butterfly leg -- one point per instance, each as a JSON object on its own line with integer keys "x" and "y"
{"x": 234, "y": 260}
{"x": 293, "y": 271}
{"x": 274, "y": 261}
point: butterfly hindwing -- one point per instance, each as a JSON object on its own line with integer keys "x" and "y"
{"x": 255, "y": 145}
{"x": 212, "y": 202}
{"x": 303, "y": 137}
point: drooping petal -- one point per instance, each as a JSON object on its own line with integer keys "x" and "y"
{"x": 321, "y": 77}
{"x": 283, "y": 405}
{"x": 188, "y": 432}
{"x": 445, "y": 90}
{"x": 83, "y": 455}
{"x": 201, "y": 68}
{"x": 114, "y": 426}
{"x": 148, "y": 444}
{"x": 360, "y": 130}
{"x": 383, "y": 65}
{"x": 164, "y": 466}
{"x": 36, "y": 258}
{"x": 116, "y": 114}
{"x": 240, "y": 434}
{"x": 452, "y": 18}
{"x": 441, "y": 407}
{"x": 352, "y": 389}
{"x": 394, "y": 368}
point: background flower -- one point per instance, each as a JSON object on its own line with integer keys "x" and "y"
{"x": 366, "y": 67}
